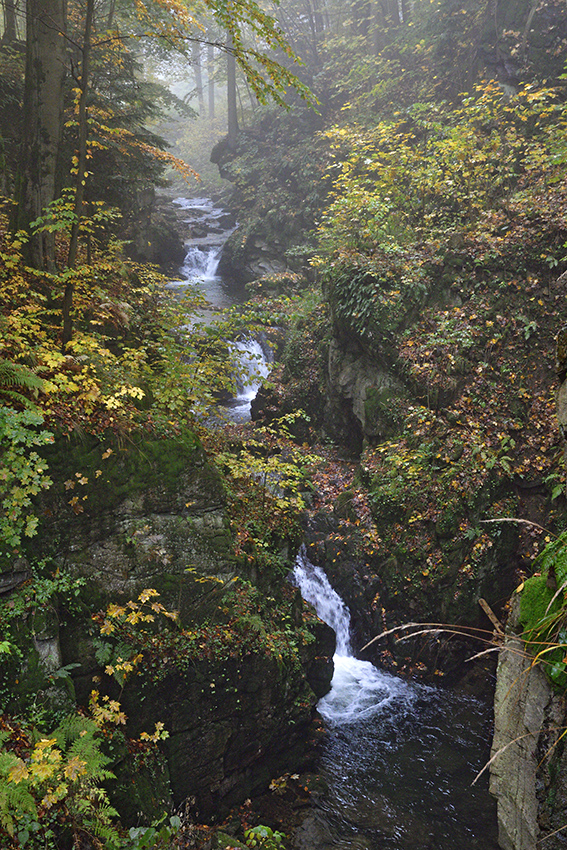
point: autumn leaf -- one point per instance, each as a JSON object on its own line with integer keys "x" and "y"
{"x": 74, "y": 768}
{"x": 18, "y": 772}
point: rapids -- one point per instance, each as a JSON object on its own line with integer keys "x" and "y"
{"x": 200, "y": 269}
{"x": 400, "y": 757}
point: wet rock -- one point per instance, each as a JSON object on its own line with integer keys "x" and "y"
{"x": 245, "y": 258}
{"x": 525, "y": 710}
{"x": 360, "y": 392}
{"x": 315, "y": 833}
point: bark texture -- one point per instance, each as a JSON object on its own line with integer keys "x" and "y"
{"x": 43, "y": 105}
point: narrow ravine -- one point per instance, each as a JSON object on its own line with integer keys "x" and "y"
{"x": 200, "y": 269}
{"x": 399, "y": 759}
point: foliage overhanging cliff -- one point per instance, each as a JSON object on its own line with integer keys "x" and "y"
{"x": 438, "y": 241}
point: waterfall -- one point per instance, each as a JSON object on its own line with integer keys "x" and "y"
{"x": 358, "y": 688}
{"x": 316, "y": 589}
{"x": 201, "y": 262}
{"x": 399, "y": 757}
{"x": 254, "y": 367}
{"x": 199, "y": 270}
{"x": 204, "y": 251}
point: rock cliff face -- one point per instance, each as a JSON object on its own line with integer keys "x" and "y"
{"x": 359, "y": 392}
{"x": 246, "y": 257}
{"x": 529, "y": 771}
{"x": 152, "y": 515}
{"x": 529, "y": 768}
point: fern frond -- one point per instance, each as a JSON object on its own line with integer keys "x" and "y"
{"x": 18, "y": 375}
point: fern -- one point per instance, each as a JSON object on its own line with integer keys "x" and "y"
{"x": 15, "y": 798}
{"x": 17, "y": 375}
{"x": 61, "y": 773}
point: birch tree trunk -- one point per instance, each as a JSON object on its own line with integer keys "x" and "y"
{"x": 211, "y": 80}
{"x": 196, "y": 65}
{"x": 81, "y": 172}
{"x": 9, "y": 35}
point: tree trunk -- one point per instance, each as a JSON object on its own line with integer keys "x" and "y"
{"x": 43, "y": 105}
{"x": 379, "y": 24}
{"x": 10, "y": 34}
{"x": 361, "y": 14}
{"x": 196, "y": 65}
{"x": 211, "y": 80}
{"x": 110, "y": 14}
{"x": 231, "y": 94}
{"x": 81, "y": 173}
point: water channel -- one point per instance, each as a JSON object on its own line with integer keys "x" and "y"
{"x": 400, "y": 758}
{"x": 200, "y": 270}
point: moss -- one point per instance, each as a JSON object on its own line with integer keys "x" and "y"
{"x": 447, "y": 524}
{"x": 27, "y": 675}
{"x": 142, "y": 791}
{"x": 344, "y": 506}
{"x": 140, "y": 465}
{"x": 383, "y": 408}
{"x": 94, "y": 477}
{"x": 534, "y": 602}
{"x": 221, "y": 840}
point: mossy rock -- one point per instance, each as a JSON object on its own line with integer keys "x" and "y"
{"x": 381, "y": 410}
{"x": 447, "y": 524}
{"x": 143, "y": 465}
{"x": 344, "y": 507}
{"x": 141, "y": 792}
{"x": 126, "y": 515}
{"x": 536, "y": 602}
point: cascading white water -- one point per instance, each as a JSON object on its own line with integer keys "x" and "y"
{"x": 316, "y": 589}
{"x": 358, "y": 688}
{"x": 201, "y": 262}
{"x": 200, "y": 270}
{"x": 399, "y": 757}
{"x": 203, "y": 253}
{"x": 253, "y": 368}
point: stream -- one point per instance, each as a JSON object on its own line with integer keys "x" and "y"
{"x": 399, "y": 758}
{"x": 200, "y": 269}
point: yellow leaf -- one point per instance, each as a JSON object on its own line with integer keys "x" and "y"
{"x": 43, "y": 770}
{"x": 74, "y": 768}
{"x": 18, "y": 772}
{"x": 44, "y": 744}
{"x": 146, "y": 594}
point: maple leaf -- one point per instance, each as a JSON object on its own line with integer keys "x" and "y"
{"x": 74, "y": 768}
{"x": 43, "y": 770}
{"x": 146, "y": 594}
{"x": 18, "y": 772}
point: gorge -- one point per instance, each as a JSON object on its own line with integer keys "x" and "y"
{"x": 283, "y": 520}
